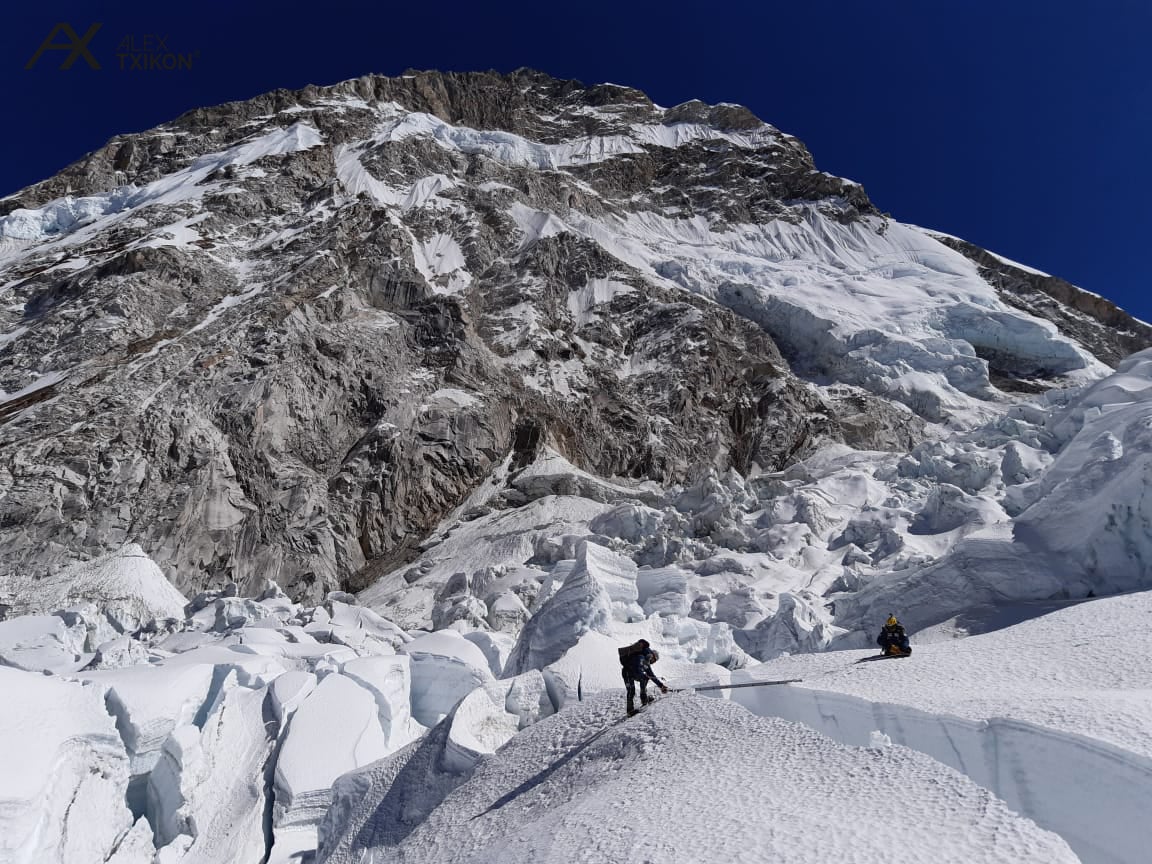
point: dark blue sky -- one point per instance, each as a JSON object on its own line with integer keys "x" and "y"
{"x": 1022, "y": 125}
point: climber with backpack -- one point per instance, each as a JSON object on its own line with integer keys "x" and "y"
{"x": 893, "y": 641}
{"x": 636, "y": 666}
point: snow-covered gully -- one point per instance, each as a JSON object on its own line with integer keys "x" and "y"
{"x": 1095, "y": 795}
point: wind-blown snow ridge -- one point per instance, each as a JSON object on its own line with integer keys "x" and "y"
{"x": 513, "y": 149}
{"x": 1095, "y": 795}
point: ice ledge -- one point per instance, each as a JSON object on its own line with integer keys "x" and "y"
{"x": 1093, "y": 794}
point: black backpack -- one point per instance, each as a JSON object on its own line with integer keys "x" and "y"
{"x": 630, "y": 651}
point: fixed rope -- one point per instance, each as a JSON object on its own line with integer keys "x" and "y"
{"x": 734, "y": 686}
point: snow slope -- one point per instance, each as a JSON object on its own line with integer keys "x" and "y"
{"x": 1092, "y": 507}
{"x": 127, "y": 586}
{"x": 1074, "y": 470}
{"x": 696, "y": 779}
{"x": 885, "y": 307}
{"x": 1054, "y": 715}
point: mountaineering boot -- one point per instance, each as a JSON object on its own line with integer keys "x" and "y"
{"x": 631, "y": 705}
{"x": 645, "y": 699}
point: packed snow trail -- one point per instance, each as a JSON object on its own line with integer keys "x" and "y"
{"x": 696, "y": 779}
{"x": 1053, "y": 715}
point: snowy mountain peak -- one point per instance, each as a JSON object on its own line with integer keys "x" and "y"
{"x": 347, "y": 432}
{"x": 265, "y": 299}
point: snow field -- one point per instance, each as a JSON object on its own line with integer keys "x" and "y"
{"x": 689, "y": 780}
{"x": 1093, "y": 795}
{"x": 1063, "y": 696}
{"x": 1053, "y": 715}
{"x": 216, "y": 765}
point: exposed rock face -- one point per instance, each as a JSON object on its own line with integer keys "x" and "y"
{"x": 284, "y": 338}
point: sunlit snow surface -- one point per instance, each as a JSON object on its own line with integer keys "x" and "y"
{"x": 691, "y": 780}
{"x": 516, "y": 150}
{"x": 230, "y": 736}
{"x": 1053, "y": 714}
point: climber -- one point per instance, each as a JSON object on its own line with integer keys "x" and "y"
{"x": 893, "y": 641}
{"x": 636, "y": 661}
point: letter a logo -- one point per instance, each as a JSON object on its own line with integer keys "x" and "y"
{"x": 76, "y": 46}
